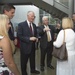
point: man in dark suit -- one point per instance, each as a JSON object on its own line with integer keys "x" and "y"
{"x": 9, "y": 10}
{"x": 27, "y": 34}
{"x": 46, "y": 32}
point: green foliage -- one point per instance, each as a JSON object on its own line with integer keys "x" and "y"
{"x": 52, "y": 21}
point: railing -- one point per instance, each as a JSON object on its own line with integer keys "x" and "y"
{"x": 61, "y": 4}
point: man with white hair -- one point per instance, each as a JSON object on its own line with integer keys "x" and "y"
{"x": 27, "y": 34}
{"x": 46, "y": 32}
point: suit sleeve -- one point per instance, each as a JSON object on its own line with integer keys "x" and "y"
{"x": 59, "y": 40}
{"x": 11, "y": 35}
{"x": 21, "y": 36}
{"x": 40, "y": 31}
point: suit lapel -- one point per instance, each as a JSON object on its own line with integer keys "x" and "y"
{"x": 50, "y": 31}
{"x": 28, "y": 28}
{"x": 43, "y": 26}
{"x": 26, "y": 24}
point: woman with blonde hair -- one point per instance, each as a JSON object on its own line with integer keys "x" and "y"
{"x": 7, "y": 65}
{"x": 66, "y": 67}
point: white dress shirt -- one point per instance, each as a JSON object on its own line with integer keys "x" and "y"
{"x": 31, "y": 26}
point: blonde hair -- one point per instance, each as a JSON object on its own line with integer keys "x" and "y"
{"x": 67, "y": 23}
{"x": 3, "y": 28}
{"x": 3, "y": 22}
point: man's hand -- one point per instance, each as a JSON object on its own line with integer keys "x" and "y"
{"x": 15, "y": 41}
{"x": 36, "y": 39}
{"x": 33, "y": 38}
{"x": 46, "y": 29}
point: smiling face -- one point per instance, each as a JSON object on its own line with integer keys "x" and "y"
{"x": 45, "y": 20}
{"x": 10, "y": 13}
{"x": 31, "y": 16}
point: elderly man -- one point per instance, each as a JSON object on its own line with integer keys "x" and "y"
{"x": 27, "y": 34}
{"x": 46, "y": 32}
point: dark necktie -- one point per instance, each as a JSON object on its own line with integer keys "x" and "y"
{"x": 30, "y": 28}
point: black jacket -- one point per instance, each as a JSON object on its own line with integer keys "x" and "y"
{"x": 24, "y": 35}
{"x": 43, "y": 40}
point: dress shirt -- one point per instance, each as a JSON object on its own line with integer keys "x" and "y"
{"x": 31, "y": 26}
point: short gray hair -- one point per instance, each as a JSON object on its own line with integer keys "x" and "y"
{"x": 29, "y": 12}
{"x": 44, "y": 17}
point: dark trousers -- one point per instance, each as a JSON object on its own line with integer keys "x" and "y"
{"x": 48, "y": 50}
{"x": 24, "y": 60}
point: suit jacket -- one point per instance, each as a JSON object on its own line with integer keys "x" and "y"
{"x": 24, "y": 35}
{"x": 43, "y": 40}
{"x": 11, "y": 32}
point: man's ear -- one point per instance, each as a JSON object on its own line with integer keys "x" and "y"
{"x": 5, "y": 11}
